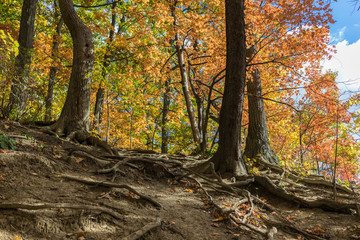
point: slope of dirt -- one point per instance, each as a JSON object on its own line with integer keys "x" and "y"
{"x": 54, "y": 189}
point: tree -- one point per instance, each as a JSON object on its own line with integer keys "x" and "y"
{"x": 100, "y": 95}
{"x": 257, "y": 140}
{"x": 228, "y": 157}
{"x": 19, "y": 93}
{"x": 180, "y": 49}
{"x": 53, "y": 68}
{"x": 75, "y": 113}
{"x": 164, "y": 119}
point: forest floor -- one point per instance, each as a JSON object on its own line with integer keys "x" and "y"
{"x": 51, "y": 188}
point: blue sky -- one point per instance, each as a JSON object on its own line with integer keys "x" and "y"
{"x": 345, "y": 35}
{"x": 347, "y": 21}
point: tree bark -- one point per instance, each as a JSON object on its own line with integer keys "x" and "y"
{"x": 164, "y": 120}
{"x": 201, "y": 126}
{"x": 100, "y": 95}
{"x": 185, "y": 81}
{"x": 257, "y": 140}
{"x": 228, "y": 156}
{"x": 53, "y": 69}
{"x": 19, "y": 93}
{"x": 75, "y": 113}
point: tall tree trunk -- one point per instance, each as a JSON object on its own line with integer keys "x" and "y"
{"x": 201, "y": 122}
{"x": 257, "y": 140}
{"x": 100, "y": 95}
{"x": 53, "y": 68}
{"x": 75, "y": 113}
{"x": 228, "y": 156}
{"x": 185, "y": 80}
{"x": 19, "y": 93}
{"x": 164, "y": 120}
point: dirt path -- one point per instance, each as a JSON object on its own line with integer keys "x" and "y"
{"x": 39, "y": 200}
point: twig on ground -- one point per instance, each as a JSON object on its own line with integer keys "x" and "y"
{"x": 141, "y": 232}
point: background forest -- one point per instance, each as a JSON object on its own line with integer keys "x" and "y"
{"x": 158, "y": 77}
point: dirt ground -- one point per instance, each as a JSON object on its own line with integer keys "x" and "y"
{"x": 51, "y": 188}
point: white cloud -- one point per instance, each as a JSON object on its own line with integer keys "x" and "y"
{"x": 346, "y": 62}
{"x": 339, "y": 36}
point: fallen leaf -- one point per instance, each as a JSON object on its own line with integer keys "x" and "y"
{"x": 170, "y": 190}
{"x": 80, "y": 234}
{"x": 3, "y": 151}
{"x": 132, "y": 195}
{"x": 317, "y": 231}
{"x": 17, "y": 238}
{"x": 79, "y": 159}
{"x": 218, "y": 219}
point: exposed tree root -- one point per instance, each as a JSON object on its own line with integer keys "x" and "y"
{"x": 243, "y": 196}
{"x": 100, "y": 161}
{"x": 36, "y": 206}
{"x": 145, "y": 158}
{"x": 325, "y": 204}
{"x": 141, "y": 232}
{"x": 290, "y": 228}
{"x": 113, "y": 185}
{"x": 80, "y": 136}
{"x": 294, "y": 177}
{"x": 268, "y": 234}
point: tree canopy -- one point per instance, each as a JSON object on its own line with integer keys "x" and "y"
{"x": 159, "y": 73}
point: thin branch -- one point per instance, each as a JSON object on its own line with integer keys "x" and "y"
{"x": 96, "y": 6}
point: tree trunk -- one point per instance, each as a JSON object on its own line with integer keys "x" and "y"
{"x": 185, "y": 81}
{"x": 201, "y": 123}
{"x": 257, "y": 140}
{"x": 19, "y": 93}
{"x": 228, "y": 156}
{"x": 100, "y": 95}
{"x": 164, "y": 120}
{"x": 75, "y": 113}
{"x": 53, "y": 69}
{"x": 98, "y": 109}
